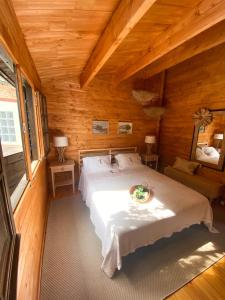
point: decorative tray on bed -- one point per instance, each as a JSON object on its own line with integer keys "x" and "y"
{"x": 141, "y": 194}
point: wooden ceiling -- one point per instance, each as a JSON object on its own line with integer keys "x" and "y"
{"x": 62, "y": 34}
{"x": 162, "y": 15}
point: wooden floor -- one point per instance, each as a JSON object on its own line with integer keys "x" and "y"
{"x": 209, "y": 285}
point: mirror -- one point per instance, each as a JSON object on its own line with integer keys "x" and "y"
{"x": 208, "y": 146}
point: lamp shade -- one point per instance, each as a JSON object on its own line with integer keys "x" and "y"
{"x": 150, "y": 139}
{"x": 60, "y": 141}
{"x": 218, "y": 136}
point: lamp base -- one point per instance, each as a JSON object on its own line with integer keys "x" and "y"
{"x": 149, "y": 149}
{"x": 61, "y": 157}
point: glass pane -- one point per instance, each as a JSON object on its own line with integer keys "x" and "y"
{"x": 10, "y": 123}
{"x": 3, "y": 122}
{"x": 9, "y": 115}
{"x": 11, "y": 135}
{"x": 12, "y": 130}
{"x": 4, "y": 130}
{"x": 5, "y": 138}
{"x": 210, "y": 140}
{"x": 2, "y": 114}
{"x": 12, "y": 138}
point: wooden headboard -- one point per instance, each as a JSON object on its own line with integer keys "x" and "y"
{"x": 105, "y": 151}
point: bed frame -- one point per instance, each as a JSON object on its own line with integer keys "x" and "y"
{"x": 105, "y": 151}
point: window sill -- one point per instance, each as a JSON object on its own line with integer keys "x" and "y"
{"x": 34, "y": 165}
{"x": 18, "y": 192}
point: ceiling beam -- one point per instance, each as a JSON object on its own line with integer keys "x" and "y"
{"x": 206, "y": 14}
{"x": 202, "y": 42}
{"x": 123, "y": 20}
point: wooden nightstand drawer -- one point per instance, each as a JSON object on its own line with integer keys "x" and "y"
{"x": 63, "y": 168}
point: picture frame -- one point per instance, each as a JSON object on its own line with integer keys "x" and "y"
{"x": 125, "y": 128}
{"x": 100, "y": 127}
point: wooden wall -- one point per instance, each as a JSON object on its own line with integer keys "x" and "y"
{"x": 12, "y": 38}
{"x": 31, "y": 213}
{"x": 72, "y": 110}
{"x": 195, "y": 83}
{"x": 30, "y": 218}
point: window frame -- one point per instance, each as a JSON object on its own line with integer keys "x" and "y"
{"x": 22, "y": 183}
{"x": 35, "y": 117}
{"x": 20, "y": 74}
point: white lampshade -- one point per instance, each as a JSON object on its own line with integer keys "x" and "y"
{"x": 218, "y": 136}
{"x": 150, "y": 139}
{"x": 60, "y": 141}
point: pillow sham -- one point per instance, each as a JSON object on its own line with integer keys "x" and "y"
{"x": 128, "y": 160}
{"x": 97, "y": 164}
{"x": 185, "y": 166}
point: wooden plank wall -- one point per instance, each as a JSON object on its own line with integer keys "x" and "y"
{"x": 30, "y": 218}
{"x": 31, "y": 213}
{"x": 72, "y": 110}
{"x": 12, "y": 37}
{"x": 195, "y": 83}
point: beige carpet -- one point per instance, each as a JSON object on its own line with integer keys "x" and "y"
{"x": 72, "y": 259}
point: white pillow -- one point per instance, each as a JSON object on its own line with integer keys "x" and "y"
{"x": 97, "y": 164}
{"x": 128, "y": 160}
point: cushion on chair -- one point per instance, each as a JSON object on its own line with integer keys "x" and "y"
{"x": 186, "y": 166}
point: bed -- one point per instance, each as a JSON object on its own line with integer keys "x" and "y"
{"x": 123, "y": 225}
{"x": 207, "y": 154}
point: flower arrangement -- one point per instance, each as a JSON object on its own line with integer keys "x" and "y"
{"x": 140, "y": 193}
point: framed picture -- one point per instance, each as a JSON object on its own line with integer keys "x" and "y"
{"x": 100, "y": 127}
{"x": 125, "y": 127}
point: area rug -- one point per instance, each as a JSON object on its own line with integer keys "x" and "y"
{"x": 72, "y": 259}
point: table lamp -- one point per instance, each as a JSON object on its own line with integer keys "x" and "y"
{"x": 150, "y": 140}
{"x": 218, "y": 137}
{"x": 60, "y": 142}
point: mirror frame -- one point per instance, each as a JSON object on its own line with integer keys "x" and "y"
{"x": 221, "y": 162}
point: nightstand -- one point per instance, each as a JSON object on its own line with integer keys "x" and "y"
{"x": 149, "y": 159}
{"x": 56, "y": 167}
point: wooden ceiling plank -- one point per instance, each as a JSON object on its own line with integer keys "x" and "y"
{"x": 202, "y": 42}
{"x": 125, "y": 17}
{"x": 205, "y": 15}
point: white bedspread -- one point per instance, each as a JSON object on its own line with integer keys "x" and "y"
{"x": 123, "y": 225}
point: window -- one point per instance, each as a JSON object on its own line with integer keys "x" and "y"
{"x": 7, "y": 127}
{"x": 44, "y": 121}
{"x": 10, "y": 132}
{"x": 30, "y": 119}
